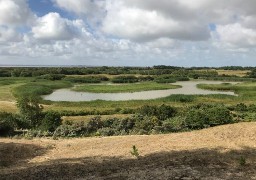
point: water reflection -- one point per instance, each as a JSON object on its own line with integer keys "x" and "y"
{"x": 188, "y": 88}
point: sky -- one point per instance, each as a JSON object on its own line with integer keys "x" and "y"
{"x": 128, "y": 32}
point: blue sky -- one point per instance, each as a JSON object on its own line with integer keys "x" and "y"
{"x": 128, "y": 33}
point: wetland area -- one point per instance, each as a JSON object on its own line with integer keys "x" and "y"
{"x": 183, "y": 88}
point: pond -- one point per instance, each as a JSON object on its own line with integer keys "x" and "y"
{"x": 188, "y": 88}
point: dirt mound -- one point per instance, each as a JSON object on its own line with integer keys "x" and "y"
{"x": 224, "y": 152}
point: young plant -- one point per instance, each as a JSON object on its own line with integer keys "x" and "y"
{"x": 242, "y": 161}
{"x": 135, "y": 151}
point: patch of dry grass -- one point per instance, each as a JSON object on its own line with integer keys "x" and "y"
{"x": 8, "y": 106}
{"x": 240, "y": 73}
{"x": 212, "y": 153}
{"x": 88, "y": 117}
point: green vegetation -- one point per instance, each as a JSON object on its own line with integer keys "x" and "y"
{"x": 246, "y": 90}
{"x": 38, "y": 88}
{"x": 87, "y": 79}
{"x": 242, "y": 161}
{"x": 125, "y": 79}
{"x": 135, "y": 151}
{"x": 174, "y": 113}
{"x": 145, "y": 86}
{"x": 8, "y": 123}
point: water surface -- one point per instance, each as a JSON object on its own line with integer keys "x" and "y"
{"x": 188, "y": 88}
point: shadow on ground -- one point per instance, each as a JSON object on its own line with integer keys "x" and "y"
{"x": 195, "y": 164}
{"x": 15, "y": 153}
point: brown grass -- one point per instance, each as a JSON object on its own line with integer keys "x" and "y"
{"x": 212, "y": 153}
{"x": 8, "y": 106}
{"x": 88, "y": 117}
{"x": 239, "y": 73}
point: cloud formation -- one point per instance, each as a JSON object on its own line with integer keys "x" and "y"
{"x": 53, "y": 27}
{"x": 122, "y": 32}
{"x": 15, "y": 13}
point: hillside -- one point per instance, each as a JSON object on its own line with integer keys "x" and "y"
{"x": 214, "y": 153}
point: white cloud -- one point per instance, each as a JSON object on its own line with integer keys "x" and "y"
{"x": 237, "y": 35}
{"x": 148, "y": 24}
{"x": 15, "y": 13}
{"x": 9, "y": 35}
{"x": 79, "y": 6}
{"x": 53, "y": 27}
{"x": 92, "y": 10}
{"x": 131, "y": 32}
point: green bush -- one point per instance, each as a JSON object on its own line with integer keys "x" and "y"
{"x": 181, "y": 98}
{"x": 106, "y": 131}
{"x": 65, "y": 131}
{"x": 125, "y": 79}
{"x": 165, "y": 79}
{"x": 124, "y": 125}
{"x": 52, "y": 77}
{"x": 175, "y": 124}
{"x": 86, "y": 79}
{"x": 146, "y": 123}
{"x": 51, "y": 121}
{"x": 94, "y": 124}
{"x": 204, "y": 115}
{"x": 161, "y": 112}
{"x": 8, "y": 123}
{"x": 30, "y": 111}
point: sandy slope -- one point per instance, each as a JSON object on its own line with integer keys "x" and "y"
{"x": 212, "y": 153}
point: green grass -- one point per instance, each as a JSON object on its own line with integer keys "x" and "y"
{"x": 27, "y": 86}
{"x": 40, "y": 87}
{"x": 103, "y": 88}
{"x": 246, "y": 91}
{"x": 8, "y": 84}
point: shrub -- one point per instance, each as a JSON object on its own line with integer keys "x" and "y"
{"x": 51, "y": 121}
{"x": 106, "y": 131}
{"x": 175, "y": 124}
{"x": 165, "y": 79}
{"x": 147, "y": 123}
{"x": 196, "y": 119}
{"x": 30, "y": 111}
{"x": 87, "y": 79}
{"x": 124, "y": 125}
{"x": 182, "y": 78}
{"x": 204, "y": 115}
{"x": 7, "y": 124}
{"x": 161, "y": 112}
{"x": 181, "y": 98}
{"x": 65, "y": 131}
{"x": 94, "y": 124}
{"x": 241, "y": 107}
{"x": 125, "y": 79}
{"x": 52, "y": 77}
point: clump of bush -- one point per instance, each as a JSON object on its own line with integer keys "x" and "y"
{"x": 52, "y": 77}
{"x": 161, "y": 112}
{"x": 7, "y": 124}
{"x": 125, "y": 79}
{"x": 87, "y": 79}
{"x": 50, "y": 121}
{"x": 165, "y": 79}
{"x": 147, "y": 120}
{"x": 204, "y": 115}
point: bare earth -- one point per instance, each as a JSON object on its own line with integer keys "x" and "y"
{"x": 213, "y": 153}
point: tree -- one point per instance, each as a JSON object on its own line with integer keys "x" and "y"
{"x": 30, "y": 111}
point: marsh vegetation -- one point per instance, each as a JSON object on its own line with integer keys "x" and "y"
{"x": 22, "y": 88}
